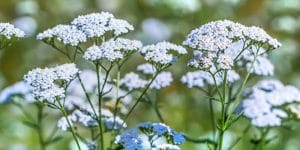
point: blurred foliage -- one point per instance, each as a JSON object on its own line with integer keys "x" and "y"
{"x": 155, "y": 20}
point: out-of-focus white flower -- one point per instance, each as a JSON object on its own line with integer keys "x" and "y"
{"x": 27, "y": 24}
{"x": 162, "y": 80}
{"x": 132, "y": 81}
{"x": 114, "y": 123}
{"x": 262, "y": 66}
{"x": 146, "y": 69}
{"x": 262, "y": 102}
{"x": 154, "y": 30}
{"x": 162, "y": 53}
{"x": 203, "y": 78}
{"x": 62, "y": 123}
{"x": 20, "y": 88}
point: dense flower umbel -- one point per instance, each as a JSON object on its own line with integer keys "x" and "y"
{"x": 112, "y": 50}
{"x": 9, "y": 31}
{"x": 97, "y": 24}
{"x": 162, "y": 53}
{"x": 42, "y": 81}
{"x": 221, "y": 44}
{"x": 66, "y": 34}
{"x": 219, "y": 35}
{"x": 85, "y": 27}
{"x": 263, "y": 101}
{"x": 132, "y": 139}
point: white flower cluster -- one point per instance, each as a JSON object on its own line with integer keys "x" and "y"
{"x": 63, "y": 122}
{"x": 133, "y": 81}
{"x": 219, "y": 35}
{"x": 203, "y": 78}
{"x": 84, "y": 27}
{"x": 263, "y": 101}
{"x": 43, "y": 81}
{"x": 162, "y": 80}
{"x": 18, "y": 89}
{"x": 146, "y": 69}
{"x": 67, "y": 34}
{"x": 219, "y": 43}
{"x": 8, "y": 31}
{"x": 112, "y": 50}
{"x": 162, "y": 53}
{"x": 97, "y": 24}
{"x": 262, "y": 65}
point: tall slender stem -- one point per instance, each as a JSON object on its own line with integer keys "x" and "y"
{"x": 98, "y": 70}
{"x": 62, "y": 109}
{"x": 40, "y": 127}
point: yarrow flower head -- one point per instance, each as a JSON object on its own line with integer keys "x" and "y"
{"x": 66, "y": 34}
{"x": 112, "y": 50}
{"x": 222, "y": 44}
{"x": 263, "y": 101}
{"x": 162, "y": 54}
{"x": 43, "y": 81}
{"x": 97, "y": 24}
{"x": 9, "y": 31}
{"x": 130, "y": 140}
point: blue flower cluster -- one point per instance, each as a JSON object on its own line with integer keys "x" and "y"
{"x": 131, "y": 140}
{"x": 160, "y": 129}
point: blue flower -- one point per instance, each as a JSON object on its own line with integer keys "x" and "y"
{"x": 178, "y": 138}
{"x": 160, "y": 129}
{"x": 130, "y": 140}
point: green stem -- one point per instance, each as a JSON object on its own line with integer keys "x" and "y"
{"x": 139, "y": 99}
{"x": 98, "y": 70}
{"x": 40, "y": 127}
{"x": 213, "y": 124}
{"x": 241, "y": 89}
{"x": 62, "y": 109}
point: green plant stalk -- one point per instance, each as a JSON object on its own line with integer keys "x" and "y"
{"x": 98, "y": 70}
{"x": 212, "y": 115}
{"x": 62, "y": 109}
{"x": 222, "y": 128}
{"x": 40, "y": 127}
{"x": 238, "y": 97}
{"x": 139, "y": 99}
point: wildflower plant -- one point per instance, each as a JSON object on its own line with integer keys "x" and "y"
{"x": 95, "y": 102}
{"x": 226, "y": 56}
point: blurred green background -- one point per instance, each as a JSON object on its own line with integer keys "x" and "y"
{"x": 154, "y": 20}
